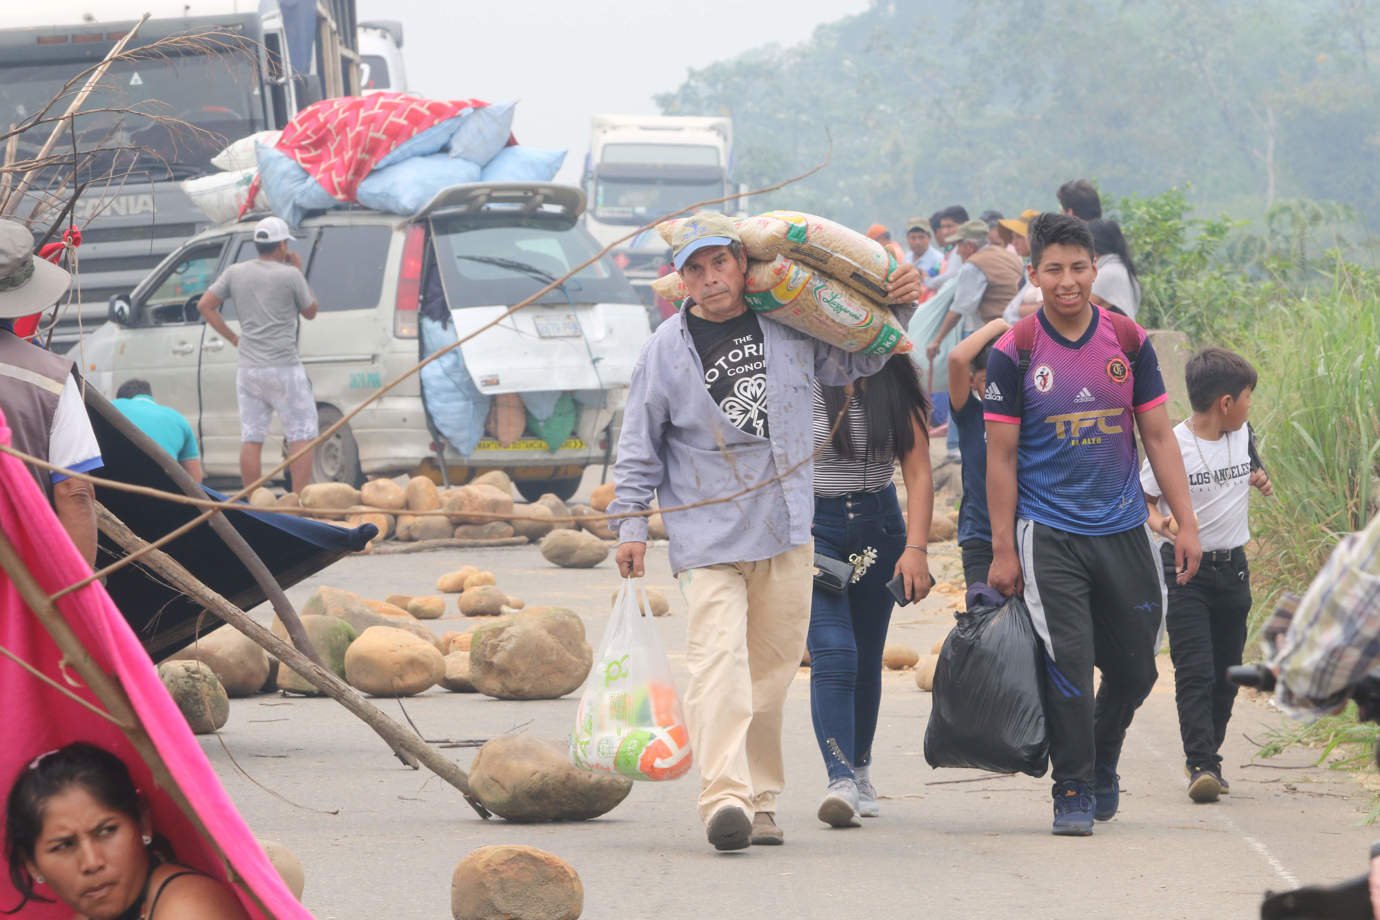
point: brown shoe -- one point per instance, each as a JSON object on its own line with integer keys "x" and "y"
{"x": 729, "y": 829}
{"x": 765, "y": 833}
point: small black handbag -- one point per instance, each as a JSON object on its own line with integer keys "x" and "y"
{"x": 832, "y": 575}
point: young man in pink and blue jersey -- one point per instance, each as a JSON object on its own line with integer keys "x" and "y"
{"x": 1064, "y": 388}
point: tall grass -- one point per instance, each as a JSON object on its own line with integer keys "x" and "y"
{"x": 1317, "y": 415}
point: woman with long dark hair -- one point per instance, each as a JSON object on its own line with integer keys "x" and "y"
{"x": 1116, "y": 286}
{"x": 76, "y": 831}
{"x": 858, "y": 521}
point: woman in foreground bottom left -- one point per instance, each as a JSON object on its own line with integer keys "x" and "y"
{"x": 75, "y": 825}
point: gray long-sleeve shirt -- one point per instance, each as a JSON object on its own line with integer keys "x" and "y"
{"x": 677, "y": 446}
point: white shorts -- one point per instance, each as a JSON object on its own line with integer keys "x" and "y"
{"x": 263, "y": 391}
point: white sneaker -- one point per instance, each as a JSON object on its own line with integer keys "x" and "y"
{"x": 868, "y": 806}
{"x": 839, "y": 807}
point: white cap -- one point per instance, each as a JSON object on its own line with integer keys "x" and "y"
{"x": 271, "y": 230}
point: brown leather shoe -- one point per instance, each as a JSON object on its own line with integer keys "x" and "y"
{"x": 765, "y": 833}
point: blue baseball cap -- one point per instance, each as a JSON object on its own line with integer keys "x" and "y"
{"x": 700, "y": 231}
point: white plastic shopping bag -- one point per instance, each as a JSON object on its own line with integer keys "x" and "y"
{"x": 630, "y": 720}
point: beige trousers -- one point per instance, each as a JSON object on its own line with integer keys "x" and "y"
{"x": 746, "y": 637}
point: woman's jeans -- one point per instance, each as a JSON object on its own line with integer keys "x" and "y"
{"x": 848, "y": 631}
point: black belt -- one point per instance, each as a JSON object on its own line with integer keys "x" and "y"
{"x": 1213, "y": 556}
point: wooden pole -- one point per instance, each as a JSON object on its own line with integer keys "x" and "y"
{"x": 66, "y": 119}
{"x": 105, "y": 688}
{"x": 218, "y": 522}
{"x": 412, "y": 749}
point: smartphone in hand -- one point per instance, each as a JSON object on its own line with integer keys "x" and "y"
{"x": 897, "y": 587}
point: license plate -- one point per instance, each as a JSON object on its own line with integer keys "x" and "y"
{"x": 565, "y": 326}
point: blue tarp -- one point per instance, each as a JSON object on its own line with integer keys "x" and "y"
{"x": 454, "y": 404}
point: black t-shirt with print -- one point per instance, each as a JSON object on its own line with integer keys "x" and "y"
{"x": 735, "y": 367}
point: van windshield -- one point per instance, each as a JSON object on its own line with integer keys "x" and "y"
{"x": 499, "y": 266}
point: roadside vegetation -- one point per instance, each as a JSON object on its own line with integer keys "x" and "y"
{"x": 1296, "y": 298}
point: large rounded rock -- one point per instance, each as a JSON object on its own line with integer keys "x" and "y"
{"x": 601, "y": 497}
{"x": 288, "y": 500}
{"x": 427, "y": 608}
{"x": 288, "y": 865}
{"x": 386, "y": 608}
{"x": 536, "y": 654}
{"x": 392, "y": 662}
{"x": 239, "y": 663}
{"x": 456, "y": 642}
{"x": 574, "y": 549}
{"x": 558, "y": 509}
{"x": 197, "y": 693}
{"x": 899, "y": 657}
{"x": 494, "y": 530}
{"x": 383, "y": 493}
{"x": 942, "y": 529}
{"x": 924, "y": 672}
{"x": 350, "y": 607}
{"x": 495, "y": 479}
{"x": 431, "y": 527}
{"x": 329, "y": 496}
{"x": 521, "y": 778}
{"x": 593, "y": 522}
{"x": 384, "y": 523}
{"x": 515, "y": 883}
{"x": 330, "y": 636}
{"x": 532, "y": 521}
{"x": 482, "y": 601}
{"x": 421, "y": 494}
{"x": 454, "y": 582}
{"x": 263, "y": 498}
{"x": 478, "y": 505}
{"x": 457, "y": 679}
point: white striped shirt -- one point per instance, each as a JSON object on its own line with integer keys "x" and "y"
{"x": 837, "y": 475}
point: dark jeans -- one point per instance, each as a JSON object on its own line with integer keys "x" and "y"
{"x": 848, "y": 631}
{"x": 1095, "y": 601}
{"x": 1207, "y": 632}
{"x": 977, "y": 561}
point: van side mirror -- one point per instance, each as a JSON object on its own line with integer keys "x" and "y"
{"x": 119, "y": 311}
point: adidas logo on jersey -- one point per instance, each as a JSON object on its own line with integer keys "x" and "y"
{"x": 993, "y": 391}
{"x": 1084, "y": 396}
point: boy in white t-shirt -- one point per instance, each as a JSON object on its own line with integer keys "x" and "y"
{"x": 1207, "y": 616}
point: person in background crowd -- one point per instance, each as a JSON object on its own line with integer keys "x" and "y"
{"x": 1027, "y": 299}
{"x": 858, "y": 520}
{"x": 923, "y": 255}
{"x": 989, "y": 278}
{"x": 38, "y": 391}
{"x": 270, "y": 293}
{"x": 163, "y": 424}
{"x": 949, "y": 221}
{"x": 881, "y": 234}
{"x": 1064, "y": 388}
{"x": 1078, "y": 198}
{"x": 1207, "y": 616}
{"x": 75, "y": 825}
{"x": 967, "y": 381}
{"x": 993, "y": 221}
{"x": 718, "y": 401}
{"x": 1116, "y": 286}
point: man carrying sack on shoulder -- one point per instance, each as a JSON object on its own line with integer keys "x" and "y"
{"x": 720, "y": 403}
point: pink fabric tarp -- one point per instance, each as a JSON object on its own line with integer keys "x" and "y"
{"x": 38, "y": 718}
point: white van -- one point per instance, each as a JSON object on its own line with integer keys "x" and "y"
{"x": 380, "y": 57}
{"x": 472, "y": 252}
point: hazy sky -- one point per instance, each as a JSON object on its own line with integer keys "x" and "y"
{"x": 565, "y": 60}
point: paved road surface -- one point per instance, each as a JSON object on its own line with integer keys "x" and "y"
{"x": 379, "y": 840}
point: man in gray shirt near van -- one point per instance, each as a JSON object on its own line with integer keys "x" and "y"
{"x": 719, "y": 403}
{"x": 269, "y": 292}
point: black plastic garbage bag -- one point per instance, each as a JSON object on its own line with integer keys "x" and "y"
{"x": 988, "y": 712}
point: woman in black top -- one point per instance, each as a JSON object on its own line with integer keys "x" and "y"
{"x": 76, "y": 826}
{"x": 858, "y": 520}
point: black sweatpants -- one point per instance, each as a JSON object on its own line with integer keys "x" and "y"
{"x": 1207, "y": 632}
{"x": 1094, "y": 601}
{"x": 977, "y": 560}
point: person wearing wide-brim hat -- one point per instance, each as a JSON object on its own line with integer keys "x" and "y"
{"x": 38, "y": 392}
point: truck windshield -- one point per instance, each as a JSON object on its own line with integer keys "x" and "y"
{"x": 499, "y": 266}
{"x": 217, "y": 93}
{"x": 636, "y": 201}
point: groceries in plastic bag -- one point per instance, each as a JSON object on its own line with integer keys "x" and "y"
{"x": 988, "y": 711}
{"x": 630, "y": 721}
